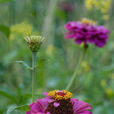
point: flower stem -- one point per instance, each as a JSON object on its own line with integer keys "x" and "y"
{"x": 76, "y": 70}
{"x": 33, "y": 73}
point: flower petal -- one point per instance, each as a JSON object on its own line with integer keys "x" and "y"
{"x": 56, "y": 104}
{"x": 28, "y": 112}
{"x": 80, "y": 106}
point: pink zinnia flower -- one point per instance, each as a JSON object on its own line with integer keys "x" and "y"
{"x": 86, "y": 32}
{"x": 59, "y": 102}
{"x": 66, "y": 6}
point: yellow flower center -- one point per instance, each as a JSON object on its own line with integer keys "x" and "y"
{"x": 59, "y": 95}
{"x": 87, "y": 21}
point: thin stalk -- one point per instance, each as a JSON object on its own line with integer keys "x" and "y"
{"x": 33, "y": 73}
{"x": 75, "y": 72}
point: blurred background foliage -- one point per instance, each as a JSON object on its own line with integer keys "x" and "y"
{"x": 57, "y": 57}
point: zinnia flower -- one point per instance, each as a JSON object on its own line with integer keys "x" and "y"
{"x": 66, "y": 6}
{"x": 86, "y": 32}
{"x": 59, "y": 102}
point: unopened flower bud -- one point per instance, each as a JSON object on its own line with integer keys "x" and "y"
{"x": 34, "y": 42}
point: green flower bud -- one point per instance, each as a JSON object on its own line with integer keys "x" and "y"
{"x": 34, "y": 42}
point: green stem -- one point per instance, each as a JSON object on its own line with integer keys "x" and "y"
{"x": 33, "y": 73}
{"x": 75, "y": 72}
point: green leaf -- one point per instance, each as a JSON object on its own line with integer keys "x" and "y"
{"x": 6, "y": 94}
{"x": 5, "y": 30}
{"x": 24, "y": 64}
{"x": 26, "y": 96}
{"x": 22, "y": 108}
{"x": 11, "y": 109}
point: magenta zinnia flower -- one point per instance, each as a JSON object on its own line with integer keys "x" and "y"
{"x": 59, "y": 102}
{"x": 86, "y": 32}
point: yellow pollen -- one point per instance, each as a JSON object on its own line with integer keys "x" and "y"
{"x": 59, "y": 95}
